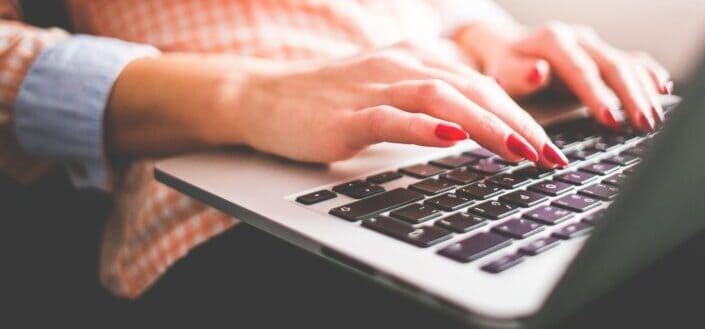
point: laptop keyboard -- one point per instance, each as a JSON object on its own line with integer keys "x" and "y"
{"x": 471, "y": 206}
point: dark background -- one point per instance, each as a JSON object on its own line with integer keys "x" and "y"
{"x": 51, "y": 236}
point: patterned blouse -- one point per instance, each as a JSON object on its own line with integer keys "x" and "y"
{"x": 152, "y": 226}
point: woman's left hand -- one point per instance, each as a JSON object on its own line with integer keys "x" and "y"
{"x": 525, "y": 61}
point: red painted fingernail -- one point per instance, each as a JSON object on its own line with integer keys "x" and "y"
{"x": 521, "y": 148}
{"x": 535, "y": 76}
{"x": 668, "y": 88}
{"x": 554, "y": 155}
{"x": 645, "y": 123}
{"x": 610, "y": 119}
{"x": 450, "y": 133}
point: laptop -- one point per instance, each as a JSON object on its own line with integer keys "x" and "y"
{"x": 502, "y": 245}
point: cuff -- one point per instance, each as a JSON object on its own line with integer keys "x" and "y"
{"x": 457, "y": 13}
{"x": 60, "y": 107}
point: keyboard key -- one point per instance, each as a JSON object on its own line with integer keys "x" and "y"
{"x": 461, "y": 222}
{"x": 503, "y": 263}
{"x": 576, "y": 177}
{"x": 518, "y": 228}
{"x": 638, "y": 150}
{"x": 622, "y": 159}
{"x": 364, "y": 191}
{"x": 384, "y": 177}
{"x": 524, "y": 198}
{"x": 423, "y": 236}
{"x": 416, "y": 213}
{"x": 422, "y": 170}
{"x": 475, "y": 247}
{"x": 376, "y": 205}
{"x": 432, "y": 186}
{"x": 573, "y": 230}
{"x": 600, "y": 191}
{"x": 480, "y": 153}
{"x": 449, "y": 202}
{"x": 584, "y": 154}
{"x": 539, "y": 245}
{"x": 462, "y": 176}
{"x": 489, "y": 167}
{"x": 576, "y": 202}
{"x": 454, "y": 161}
{"x": 615, "y": 180}
{"x": 510, "y": 181}
{"x": 510, "y": 163}
{"x": 533, "y": 172}
{"x": 564, "y": 141}
{"x": 316, "y": 197}
{"x": 548, "y": 215}
{"x": 595, "y": 217}
{"x": 552, "y": 188}
{"x": 494, "y": 209}
{"x": 349, "y": 186}
{"x": 600, "y": 168}
{"x": 480, "y": 190}
{"x": 605, "y": 143}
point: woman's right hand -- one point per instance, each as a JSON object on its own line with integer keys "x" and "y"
{"x": 405, "y": 94}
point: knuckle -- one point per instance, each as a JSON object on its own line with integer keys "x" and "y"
{"x": 376, "y": 119}
{"x": 432, "y": 91}
{"x": 383, "y": 59}
{"x": 617, "y": 66}
{"x": 588, "y": 70}
{"x": 414, "y": 124}
{"x": 410, "y": 44}
{"x": 556, "y": 32}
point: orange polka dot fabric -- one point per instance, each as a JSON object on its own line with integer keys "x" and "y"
{"x": 152, "y": 226}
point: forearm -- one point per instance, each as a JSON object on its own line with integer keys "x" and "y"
{"x": 180, "y": 102}
{"x": 166, "y": 105}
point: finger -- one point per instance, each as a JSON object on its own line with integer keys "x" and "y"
{"x": 659, "y": 75}
{"x": 557, "y": 44}
{"x": 520, "y": 75}
{"x": 470, "y": 84}
{"x": 388, "y": 124}
{"x": 485, "y": 92}
{"x": 620, "y": 74}
{"x": 650, "y": 90}
{"x": 439, "y": 99}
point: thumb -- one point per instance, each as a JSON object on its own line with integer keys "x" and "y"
{"x": 520, "y": 75}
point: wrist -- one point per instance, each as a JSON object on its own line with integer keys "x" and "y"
{"x": 249, "y": 96}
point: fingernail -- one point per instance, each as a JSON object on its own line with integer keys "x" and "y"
{"x": 450, "y": 133}
{"x": 657, "y": 116}
{"x": 610, "y": 119}
{"x": 535, "y": 75}
{"x": 554, "y": 155}
{"x": 668, "y": 88}
{"x": 521, "y": 148}
{"x": 645, "y": 122}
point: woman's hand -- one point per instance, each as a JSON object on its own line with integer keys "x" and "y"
{"x": 407, "y": 94}
{"x": 601, "y": 76}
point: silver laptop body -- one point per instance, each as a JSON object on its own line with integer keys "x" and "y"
{"x": 660, "y": 206}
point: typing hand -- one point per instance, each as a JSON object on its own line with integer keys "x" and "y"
{"x": 406, "y": 93}
{"x": 525, "y": 60}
